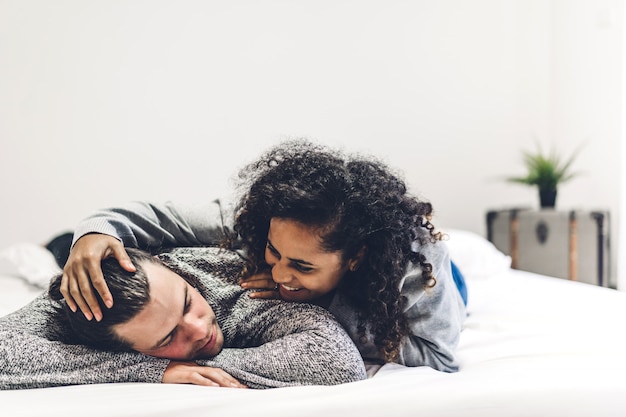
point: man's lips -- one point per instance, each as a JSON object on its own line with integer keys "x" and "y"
{"x": 210, "y": 344}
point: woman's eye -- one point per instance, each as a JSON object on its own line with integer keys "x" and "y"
{"x": 272, "y": 250}
{"x": 302, "y": 268}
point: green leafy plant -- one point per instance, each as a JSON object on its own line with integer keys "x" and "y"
{"x": 546, "y": 171}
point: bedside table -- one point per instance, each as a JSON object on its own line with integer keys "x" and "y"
{"x": 565, "y": 244}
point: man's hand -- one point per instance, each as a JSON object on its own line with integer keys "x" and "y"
{"x": 192, "y": 373}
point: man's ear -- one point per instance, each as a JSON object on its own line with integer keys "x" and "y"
{"x": 355, "y": 261}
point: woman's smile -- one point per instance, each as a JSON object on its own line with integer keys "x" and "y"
{"x": 301, "y": 268}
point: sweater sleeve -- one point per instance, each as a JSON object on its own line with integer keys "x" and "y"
{"x": 289, "y": 344}
{"x": 33, "y": 354}
{"x": 435, "y": 315}
{"x": 152, "y": 225}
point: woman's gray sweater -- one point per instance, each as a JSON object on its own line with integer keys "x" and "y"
{"x": 267, "y": 343}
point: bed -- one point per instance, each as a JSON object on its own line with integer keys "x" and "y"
{"x": 532, "y": 346}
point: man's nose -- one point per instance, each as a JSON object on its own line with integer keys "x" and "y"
{"x": 195, "y": 329}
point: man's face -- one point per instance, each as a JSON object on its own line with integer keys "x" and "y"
{"x": 177, "y": 323}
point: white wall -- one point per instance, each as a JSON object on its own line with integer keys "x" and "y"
{"x": 587, "y": 103}
{"x": 102, "y": 102}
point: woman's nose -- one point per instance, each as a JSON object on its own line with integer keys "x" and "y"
{"x": 280, "y": 273}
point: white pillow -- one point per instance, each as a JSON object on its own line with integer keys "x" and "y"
{"x": 31, "y": 262}
{"x": 476, "y": 257}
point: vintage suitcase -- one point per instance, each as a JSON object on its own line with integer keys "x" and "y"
{"x": 566, "y": 244}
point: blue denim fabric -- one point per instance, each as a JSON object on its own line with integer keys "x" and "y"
{"x": 459, "y": 280}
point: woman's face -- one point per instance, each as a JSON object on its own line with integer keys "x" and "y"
{"x": 299, "y": 265}
{"x": 177, "y": 323}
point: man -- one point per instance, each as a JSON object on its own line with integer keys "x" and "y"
{"x": 186, "y": 321}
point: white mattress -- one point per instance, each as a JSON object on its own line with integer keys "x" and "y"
{"x": 532, "y": 346}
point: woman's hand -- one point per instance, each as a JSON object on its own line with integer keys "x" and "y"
{"x": 192, "y": 373}
{"x": 82, "y": 273}
{"x": 262, "y": 284}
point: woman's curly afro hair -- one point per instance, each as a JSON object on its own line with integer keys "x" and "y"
{"x": 355, "y": 202}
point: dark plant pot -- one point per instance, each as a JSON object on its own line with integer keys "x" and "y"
{"x": 547, "y": 198}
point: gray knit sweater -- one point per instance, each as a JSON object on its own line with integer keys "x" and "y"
{"x": 284, "y": 344}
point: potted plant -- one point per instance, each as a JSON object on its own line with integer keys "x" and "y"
{"x": 546, "y": 171}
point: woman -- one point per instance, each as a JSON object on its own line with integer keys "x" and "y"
{"x": 314, "y": 226}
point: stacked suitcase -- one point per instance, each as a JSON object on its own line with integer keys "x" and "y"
{"x": 566, "y": 244}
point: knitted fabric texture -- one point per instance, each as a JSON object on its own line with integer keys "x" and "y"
{"x": 267, "y": 343}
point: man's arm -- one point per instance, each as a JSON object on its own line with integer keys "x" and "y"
{"x": 287, "y": 344}
{"x": 32, "y": 355}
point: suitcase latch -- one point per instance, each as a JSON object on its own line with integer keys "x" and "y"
{"x": 542, "y": 232}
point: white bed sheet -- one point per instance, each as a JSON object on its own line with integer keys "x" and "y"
{"x": 532, "y": 346}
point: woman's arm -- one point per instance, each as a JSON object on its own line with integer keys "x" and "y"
{"x": 137, "y": 224}
{"x": 148, "y": 225}
{"x": 435, "y": 315}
